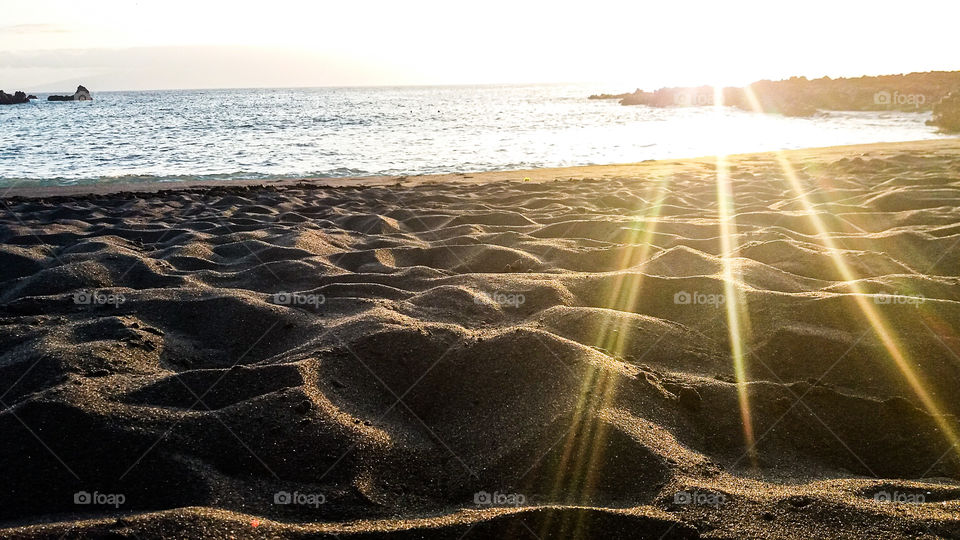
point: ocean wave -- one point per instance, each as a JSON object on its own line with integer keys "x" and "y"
{"x": 342, "y": 172}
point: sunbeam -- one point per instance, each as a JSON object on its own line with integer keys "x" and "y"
{"x": 735, "y": 306}
{"x": 879, "y": 325}
{"x": 584, "y": 443}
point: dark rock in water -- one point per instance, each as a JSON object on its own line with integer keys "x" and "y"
{"x": 16, "y": 98}
{"x": 82, "y": 94}
{"x": 31, "y": 96}
{"x": 946, "y": 113}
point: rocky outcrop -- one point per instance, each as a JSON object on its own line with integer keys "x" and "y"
{"x": 16, "y": 98}
{"x": 799, "y": 96}
{"x": 82, "y": 94}
{"x": 787, "y": 103}
{"x": 946, "y": 114}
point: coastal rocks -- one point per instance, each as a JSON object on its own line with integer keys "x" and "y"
{"x": 946, "y": 114}
{"x": 16, "y": 98}
{"x": 82, "y": 94}
{"x": 787, "y": 104}
{"x": 799, "y": 96}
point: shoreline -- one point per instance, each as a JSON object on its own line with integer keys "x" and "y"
{"x": 546, "y": 174}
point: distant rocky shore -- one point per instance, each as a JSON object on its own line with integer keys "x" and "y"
{"x": 14, "y": 99}
{"x": 799, "y": 96}
{"x": 82, "y": 94}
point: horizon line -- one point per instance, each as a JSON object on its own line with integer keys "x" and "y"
{"x": 476, "y": 84}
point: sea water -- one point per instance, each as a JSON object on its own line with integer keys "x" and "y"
{"x": 336, "y": 132}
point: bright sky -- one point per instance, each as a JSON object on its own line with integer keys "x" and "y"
{"x": 147, "y": 44}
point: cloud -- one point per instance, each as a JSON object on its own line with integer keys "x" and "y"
{"x": 23, "y": 29}
{"x": 64, "y": 58}
{"x": 147, "y": 68}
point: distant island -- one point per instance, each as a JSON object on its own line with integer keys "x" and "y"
{"x": 937, "y": 91}
{"x": 82, "y": 94}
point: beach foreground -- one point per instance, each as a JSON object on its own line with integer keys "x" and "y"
{"x": 556, "y": 353}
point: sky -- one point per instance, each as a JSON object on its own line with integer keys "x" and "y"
{"x": 54, "y": 45}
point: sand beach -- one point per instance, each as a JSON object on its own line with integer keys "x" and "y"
{"x": 752, "y": 346}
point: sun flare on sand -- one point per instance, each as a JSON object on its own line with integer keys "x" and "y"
{"x": 584, "y": 445}
{"x": 738, "y": 322}
{"x": 864, "y": 302}
{"x": 582, "y": 452}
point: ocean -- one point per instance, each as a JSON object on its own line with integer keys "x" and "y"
{"x": 180, "y": 135}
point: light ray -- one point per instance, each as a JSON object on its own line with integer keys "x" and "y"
{"x": 737, "y": 321}
{"x": 577, "y": 470}
{"x": 873, "y": 316}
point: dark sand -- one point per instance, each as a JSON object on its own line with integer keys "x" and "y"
{"x": 469, "y": 334}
